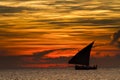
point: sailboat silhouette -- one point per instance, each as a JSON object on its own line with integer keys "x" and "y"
{"x": 82, "y": 59}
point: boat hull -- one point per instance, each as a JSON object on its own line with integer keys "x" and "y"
{"x": 85, "y": 67}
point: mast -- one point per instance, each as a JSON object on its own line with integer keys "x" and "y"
{"x": 83, "y": 56}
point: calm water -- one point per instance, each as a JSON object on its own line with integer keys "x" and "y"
{"x": 60, "y": 74}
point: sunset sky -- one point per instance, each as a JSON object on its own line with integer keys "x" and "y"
{"x": 54, "y": 30}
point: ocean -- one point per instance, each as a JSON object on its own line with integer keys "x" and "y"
{"x": 60, "y": 74}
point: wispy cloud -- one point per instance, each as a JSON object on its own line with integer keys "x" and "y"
{"x": 62, "y": 23}
{"x": 41, "y": 54}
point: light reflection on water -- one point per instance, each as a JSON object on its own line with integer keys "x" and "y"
{"x": 61, "y": 74}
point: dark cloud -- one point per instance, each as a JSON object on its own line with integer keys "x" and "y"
{"x": 107, "y": 61}
{"x": 10, "y": 62}
{"x": 21, "y": 61}
{"x": 65, "y": 2}
{"x": 13, "y": 62}
{"x": 58, "y": 60}
{"x": 94, "y": 22}
{"x": 4, "y": 52}
{"x": 41, "y": 54}
{"x": 81, "y": 21}
{"x": 9, "y": 34}
{"x": 98, "y": 27}
{"x": 8, "y": 9}
{"x": 16, "y": 0}
{"x": 62, "y": 7}
{"x": 116, "y": 39}
{"x": 5, "y": 26}
{"x": 68, "y": 6}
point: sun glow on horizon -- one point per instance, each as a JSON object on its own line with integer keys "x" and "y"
{"x": 51, "y": 29}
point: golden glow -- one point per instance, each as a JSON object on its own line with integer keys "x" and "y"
{"x": 57, "y": 24}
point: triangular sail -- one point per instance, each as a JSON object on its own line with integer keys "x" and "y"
{"x": 83, "y": 56}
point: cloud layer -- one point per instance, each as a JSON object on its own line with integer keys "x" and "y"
{"x": 45, "y": 26}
